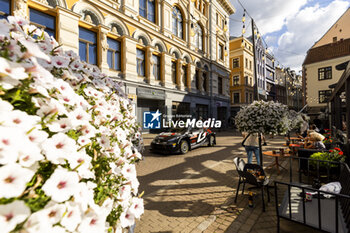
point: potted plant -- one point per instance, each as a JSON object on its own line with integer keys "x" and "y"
{"x": 67, "y": 157}
{"x": 332, "y": 155}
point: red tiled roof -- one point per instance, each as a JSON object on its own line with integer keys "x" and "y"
{"x": 328, "y": 51}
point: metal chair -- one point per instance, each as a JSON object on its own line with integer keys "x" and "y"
{"x": 247, "y": 177}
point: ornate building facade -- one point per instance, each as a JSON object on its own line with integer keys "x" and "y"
{"x": 242, "y": 73}
{"x": 170, "y": 55}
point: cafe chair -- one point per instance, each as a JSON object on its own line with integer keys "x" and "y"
{"x": 246, "y": 177}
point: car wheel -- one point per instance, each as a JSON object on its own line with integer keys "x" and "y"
{"x": 211, "y": 140}
{"x": 183, "y": 147}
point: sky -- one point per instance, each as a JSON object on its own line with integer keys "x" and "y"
{"x": 289, "y": 27}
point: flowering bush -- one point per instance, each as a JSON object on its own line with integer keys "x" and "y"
{"x": 328, "y": 136}
{"x": 263, "y": 117}
{"x": 67, "y": 158}
{"x": 296, "y": 119}
{"x": 335, "y": 155}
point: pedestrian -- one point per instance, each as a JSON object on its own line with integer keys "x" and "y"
{"x": 251, "y": 144}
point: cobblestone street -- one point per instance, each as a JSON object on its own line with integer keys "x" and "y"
{"x": 194, "y": 192}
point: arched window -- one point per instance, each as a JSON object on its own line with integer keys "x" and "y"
{"x": 198, "y": 37}
{"x": 177, "y": 22}
{"x": 147, "y": 10}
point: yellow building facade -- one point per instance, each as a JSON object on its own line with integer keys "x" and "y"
{"x": 170, "y": 55}
{"x": 242, "y": 73}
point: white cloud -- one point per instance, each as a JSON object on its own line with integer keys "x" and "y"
{"x": 304, "y": 29}
{"x": 290, "y": 26}
{"x": 269, "y": 15}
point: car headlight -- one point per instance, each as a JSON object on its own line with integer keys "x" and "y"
{"x": 173, "y": 139}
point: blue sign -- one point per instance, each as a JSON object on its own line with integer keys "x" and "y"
{"x": 151, "y": 120}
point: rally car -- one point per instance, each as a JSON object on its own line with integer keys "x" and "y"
{"x": 182, "y": 140}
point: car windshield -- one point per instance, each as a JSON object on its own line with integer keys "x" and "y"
{"x": 178, "y": 130}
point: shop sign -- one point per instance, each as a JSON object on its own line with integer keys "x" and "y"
{"x": 148, "y": 93}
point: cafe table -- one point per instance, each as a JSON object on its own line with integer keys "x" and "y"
{"x": 277, "y": 155}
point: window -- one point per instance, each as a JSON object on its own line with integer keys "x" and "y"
{"x": 250, "y": 98}
{"x": 235, "y": 80}
{"x": 222, "y": 23}
{"x": 140, "y": 62}
{"x": 147, "y": 9}
{"x": 202, "y": 111}
{"x": 156, "y": 66}
{"x": 177, "y": 22}
{"x": 220, "y": 86}
{"x": 5, "y": 8}
{"x": 335, "y": 39}
{"x": 88, "y": 46}
{"x": 325, "y": 73}
{"x": 236, "y": 98}
{"x": 246, "y": 97}
{"x": 184, "y": 77}
{"x": 235, "y": 63}
{"x": 173, "y": 71}
{"x": 113, "y": 54}
{"x": 198, "y": 37}
{"x": 246, "y": 63}
{"x": 246, "y": 80}
{"x": 43, "y": 21}
{"x": 323, "y": 96}
{"x": 221, "y": 52}
{"x": 205, "y": 80}
{"x": 250, "y": 65}
{"x": 197, "y": 79}
{"x": 217, "y": 19}
{"x": 250, "y": 81}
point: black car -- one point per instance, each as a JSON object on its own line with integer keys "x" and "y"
{"x": 182, "y": 140}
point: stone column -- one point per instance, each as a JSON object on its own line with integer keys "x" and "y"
{"x": 200, "y": 80}
{"x": 148, "y": 65}
{"x": 162, "y": 68}
{"x": 20, "y": 9}
{"x": 178, "y": 73}
{"x": 129, "y": 47}
{"x": 68, "y": 29}
{"x": 167, "y": 70}
{"x": 188, "y": 78}
{"x": 103, "y": 48}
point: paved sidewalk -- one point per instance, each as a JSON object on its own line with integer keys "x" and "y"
{"x": 196, "y": 194}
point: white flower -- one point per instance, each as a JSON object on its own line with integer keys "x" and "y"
{"x": 62, "y": 125}
{"x": 28, "y": 154}
{"x": 19, "y": 119}
{"x": 33, "y": 49}
{"x": 72, "y": 217}
{"x": 85, "y": 194}
{"x": 58, "y": 229}
{"x": 127, "y": 218}
{"x": 61, "y": 185}
{"x": 82, "y": 160}
{"x": 92, "y": 223}
{"x": 58, "y": 147}
{"x": 83, "y": 140}
{"x": 9, "y": 147}
{"x": 12, "y": 214}
{"x": 37, "y": 136}
{"x": 52, "y": 213}
{"x": 137, "y": 207}
{"x": 36, "y": 223}
{"x": 129, "y": 171}
{"x": 79, "y": 117}
{"x": 60, "y": 61}
{"x": 13, "y": 180}
{"x": 5, "y": 107}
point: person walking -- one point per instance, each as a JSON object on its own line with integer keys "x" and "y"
{"x": 251, "y": 145}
